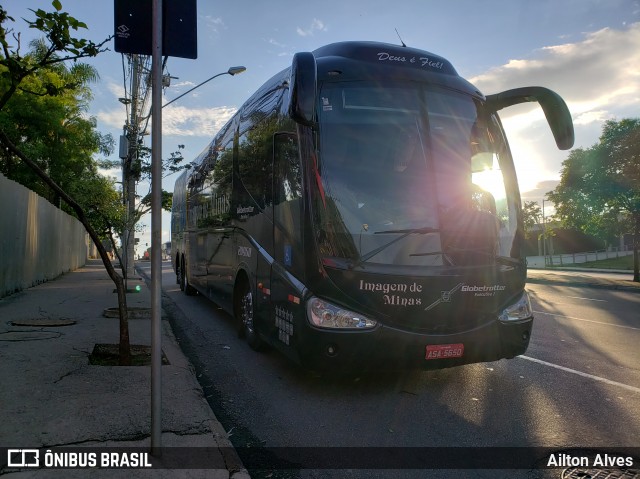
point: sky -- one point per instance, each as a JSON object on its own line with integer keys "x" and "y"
{"x": 587, "y": 51}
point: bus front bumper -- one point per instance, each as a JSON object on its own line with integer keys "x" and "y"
{"x": 388, "y": 348}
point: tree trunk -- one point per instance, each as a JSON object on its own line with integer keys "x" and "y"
{"x": 125, "y": 350}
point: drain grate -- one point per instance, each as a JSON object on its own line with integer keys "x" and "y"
{"x": 28, "y": 335}
{"x": 581, "y": 473}
{"x": 42, "y": 322}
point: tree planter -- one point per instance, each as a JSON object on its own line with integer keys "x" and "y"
{"x": 108, "y": 355}
{"x": 133, "y": 313}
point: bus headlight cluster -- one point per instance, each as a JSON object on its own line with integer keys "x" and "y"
{"x": 326, "y": 315}
{"x": 518, "y": 311}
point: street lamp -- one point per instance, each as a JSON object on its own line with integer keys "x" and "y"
{"x": 544, "y": 235}
{"x": 231, "y": 71}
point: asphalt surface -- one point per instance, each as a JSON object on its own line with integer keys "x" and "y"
{"x": 600, "y": 279}
{"x": 578, "y": 386}
{"x": 52, "y": 398}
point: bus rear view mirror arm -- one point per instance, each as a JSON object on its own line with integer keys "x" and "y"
{"x": 554, "y": 107}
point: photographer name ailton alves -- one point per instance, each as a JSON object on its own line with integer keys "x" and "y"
{"x": 600, "y": 460}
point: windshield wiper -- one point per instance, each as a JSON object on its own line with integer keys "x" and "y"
{"x": 408, "y": 231}
{"x": 503, "y": 260}
{"x": 405, "y": 233}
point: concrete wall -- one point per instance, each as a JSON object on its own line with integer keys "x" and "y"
{"x": 38, "y": 241}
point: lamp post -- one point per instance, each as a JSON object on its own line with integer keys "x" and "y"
{"x": 231, "y": 71}
{"x": 544, "y": 235}
{"x": 156, "y": 223}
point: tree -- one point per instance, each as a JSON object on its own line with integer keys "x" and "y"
{"x": 142, "y": 171}
{"x": 53, "y": 129}
{"x": 40, "y": 73}
{"x": 599, "y": 190}
{"x": 532, "y": 214}
{"x": 170, "y": 165}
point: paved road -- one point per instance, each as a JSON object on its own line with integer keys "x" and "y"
{"x": 595, "y": 331}
{"x": 577, "y": 386}
{"x": 535, "y": 273}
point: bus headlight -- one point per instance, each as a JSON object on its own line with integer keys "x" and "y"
{"x": 518, "y": 311}
{"x": 326, "y": 315}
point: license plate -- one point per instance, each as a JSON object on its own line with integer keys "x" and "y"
{"x": 444, "y": 351}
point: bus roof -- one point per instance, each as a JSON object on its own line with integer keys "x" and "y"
{"x": 389, "y": 54}
{"x": 353, "y": 60}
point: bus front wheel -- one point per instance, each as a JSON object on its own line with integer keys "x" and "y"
{"x": 244, "y": 317}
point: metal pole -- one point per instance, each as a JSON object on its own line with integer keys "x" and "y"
{"x": 156, "y": 230}
{"x": 544, "y": 236}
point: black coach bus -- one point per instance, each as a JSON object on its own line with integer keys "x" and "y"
{"x": 362, "y": 209}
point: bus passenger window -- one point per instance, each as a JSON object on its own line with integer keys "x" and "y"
{"x": 287, "y": 187}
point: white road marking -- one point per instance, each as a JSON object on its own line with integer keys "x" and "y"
{"x": 580, "y": 373}
{"x": 587, "y": 320}
{"x": 587, "y": 299}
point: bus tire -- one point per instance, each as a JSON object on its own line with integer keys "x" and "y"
{"x": 244, "y": 312}
{"x": 184, "y": 282}
{"x": 179, "y": 273}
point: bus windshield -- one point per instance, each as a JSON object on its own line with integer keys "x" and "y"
{"x": 408, "y": 174}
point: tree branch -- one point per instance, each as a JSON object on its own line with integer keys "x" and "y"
{"x": 125, "y": 352}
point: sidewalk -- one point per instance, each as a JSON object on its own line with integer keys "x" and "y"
{"x": 51, "y": 397}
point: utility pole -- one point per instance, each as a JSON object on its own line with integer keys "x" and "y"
{"x": 129, "y": 178}
{"x": 138, "y": 98}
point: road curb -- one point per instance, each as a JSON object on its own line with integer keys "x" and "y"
{"x": 230, "y": 456}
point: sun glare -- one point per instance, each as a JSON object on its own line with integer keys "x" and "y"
{"x": 490, "y": 180}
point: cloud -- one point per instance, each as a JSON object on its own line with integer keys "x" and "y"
{"x": 274, "y": 42}
{"x": 593, "y": 75}
{"x": 181, "y": 84}
{"x": 182, "y": 121}
{"x": 116, "y": 89}
{"x": 114, "y": 118}
{"x": 598, "y": 77}
{"x": 538, "y": 193}
{"x": 316, "y": 26}
{"x": 598, "y": 116}
{"x": 213, "y": 24}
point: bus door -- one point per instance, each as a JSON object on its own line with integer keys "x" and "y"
{"x": 287, "y": 272}
{"x": 196, "y": 262}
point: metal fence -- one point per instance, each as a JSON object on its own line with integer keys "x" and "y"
{"x": 576, "y": 258}
{"x": 38, "y": 241}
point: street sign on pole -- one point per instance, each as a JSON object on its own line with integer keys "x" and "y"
{"x": 156, "y": 28}
{"x": 156, "y": 231}
{"x": 133, "y": 25}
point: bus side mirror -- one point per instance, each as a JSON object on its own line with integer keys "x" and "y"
{"x": 303, "y": 88}
{"x": 554, "y": 107}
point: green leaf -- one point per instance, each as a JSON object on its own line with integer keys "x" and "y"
{"x": 57, "y": 5}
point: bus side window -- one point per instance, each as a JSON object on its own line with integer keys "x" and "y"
{"x": 287, "y": 168}
{"x": 220, "y": 180}
{"x": 287, "y": 188}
